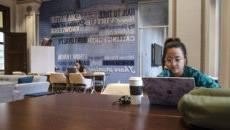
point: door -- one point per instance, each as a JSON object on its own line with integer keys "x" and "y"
{"x": 15, "y": 52}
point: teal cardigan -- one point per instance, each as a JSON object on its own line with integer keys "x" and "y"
{"x": 201, "y": 80}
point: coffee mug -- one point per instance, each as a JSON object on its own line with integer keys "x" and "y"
{"x": 136, "y": 89}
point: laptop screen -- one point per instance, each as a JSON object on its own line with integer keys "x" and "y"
{"x": 167, "y": 90}
{"x": 71, "y": 70}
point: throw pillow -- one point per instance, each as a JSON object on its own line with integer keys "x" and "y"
{"x": 28, "y": 79}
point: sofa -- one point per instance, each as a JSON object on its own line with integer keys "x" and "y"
{"x": 7, "y": 92}
{"x": 11, "y": 90}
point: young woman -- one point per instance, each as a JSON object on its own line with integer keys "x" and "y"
{"x": 174, "y": 64}
{"x": 79, "y": 66}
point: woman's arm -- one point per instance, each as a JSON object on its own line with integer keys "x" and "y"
{"x": 164, "y": 73}
{"x": 203, "y": 80}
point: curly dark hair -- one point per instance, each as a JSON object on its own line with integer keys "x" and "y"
{"x": 82, "y": 67}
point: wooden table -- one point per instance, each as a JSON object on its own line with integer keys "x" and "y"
{"x": 73, "y": 111}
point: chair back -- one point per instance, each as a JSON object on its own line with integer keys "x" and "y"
{"x": 18, "y": 73}
{"x": 76, "y": 78}
{"x": 58, "y": 78}
{"x": 33, "y": 74}
{"x": 99, "y": 74}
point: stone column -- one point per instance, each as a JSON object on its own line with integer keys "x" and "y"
{"x": 211, "y": 37}
{"x": 27, "y": 21}
{"x": 188, "y": 28}
{"x": 225, "y": 44}
{"x": 27, "y": 18}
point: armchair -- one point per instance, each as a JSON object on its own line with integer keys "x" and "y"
{"x": 77, "y": 81}
{"x": 58, "y": 81}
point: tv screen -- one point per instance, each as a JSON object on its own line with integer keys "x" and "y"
{"x": 156, "y": 54}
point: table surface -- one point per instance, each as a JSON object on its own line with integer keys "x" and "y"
{"x": 73, "y": 111}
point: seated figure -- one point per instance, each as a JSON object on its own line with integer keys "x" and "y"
{"x": 79, "y": 66}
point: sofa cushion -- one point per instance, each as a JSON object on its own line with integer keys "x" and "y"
{"x": 14, "y": 78}
{"x": 28, "y": 79}
{"x": 34, "y": 87}
{"x": 40, "y": 79}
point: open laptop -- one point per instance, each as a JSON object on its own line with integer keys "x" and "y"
{"x": 167, "y": 90}
{"x": 71, "y": 70}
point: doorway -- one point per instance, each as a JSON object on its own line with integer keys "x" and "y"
{"x": 152, "y": 28}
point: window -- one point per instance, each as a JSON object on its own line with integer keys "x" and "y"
{"x": 4, "y": 27}
{"x": 1, "y": 51}
{"x": 1, "y": 20}
{"x": 1, "y": 42}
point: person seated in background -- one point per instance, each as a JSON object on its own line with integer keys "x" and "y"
{"x": 46, "y": 41}
{"x": 174, "y": 64}
{"x": 79, "y": 66}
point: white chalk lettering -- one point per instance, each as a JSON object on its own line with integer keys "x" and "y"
{"x": 64, "y": 57}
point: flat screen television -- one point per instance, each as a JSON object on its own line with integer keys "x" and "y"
{"x": 156, "y": 54}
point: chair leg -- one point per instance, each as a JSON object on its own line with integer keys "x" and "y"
{"x": 55, "y": 89}
{"x": 93, "y": 90}
{"x": 52, "y": 87}
{"x": 73, "y": 89}
{"x": 85, "y": 90}
{"x": 102, "y": 89}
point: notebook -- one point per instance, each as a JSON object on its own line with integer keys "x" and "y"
{"x": 165, "y": 90}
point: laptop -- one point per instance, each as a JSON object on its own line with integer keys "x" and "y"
{"x": 71, "y": 70}
{"x": 167, "y": 90}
